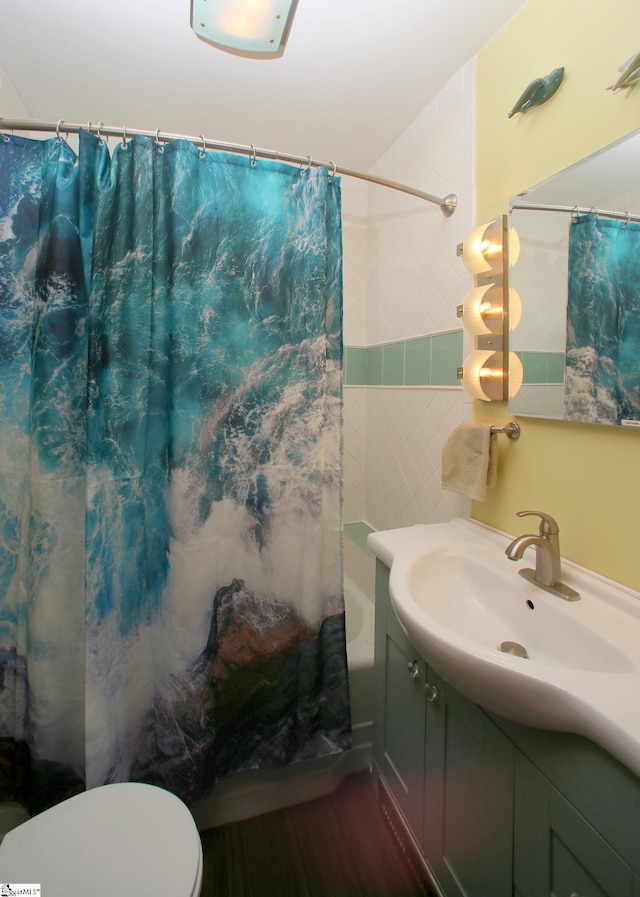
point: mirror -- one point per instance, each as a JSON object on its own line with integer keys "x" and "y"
{"x": 589, "y": 370}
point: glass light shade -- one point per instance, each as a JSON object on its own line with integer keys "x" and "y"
{"x": 516, "y": 374}
{"x": 255, "y": 28}
{"x": 481, "y": 251}
{"x": 515, "y": 308}
{"x": 475, "y": 369}
{"x": 481, "y": 307}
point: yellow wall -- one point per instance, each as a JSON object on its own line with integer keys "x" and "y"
{"x": 586, "y": 476}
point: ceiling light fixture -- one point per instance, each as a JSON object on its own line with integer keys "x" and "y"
{"x": 255, "y": 28}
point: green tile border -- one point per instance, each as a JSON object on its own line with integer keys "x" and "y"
{"x": 542, "y": 367}
{"x": 417, "y": 361}
{"x": 358, "y": 531}
{"x": 373, "y": 375}
{"x": 446, "y": 358}
{"x": 393, "y": 364}
{"x": 422, "y": 361}
{"x": 355, "y": 365}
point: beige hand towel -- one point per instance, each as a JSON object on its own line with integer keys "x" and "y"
{"x": 470, "y": 460}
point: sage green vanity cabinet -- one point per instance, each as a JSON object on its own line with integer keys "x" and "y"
{"x": 496, "y": 808}
{"x": 448, "y": 766}
{"x": 557, "y": 852}
{"x": 399, "y": 717}
{"x": 468, "y": 798}
{"x": 576, "y": 820}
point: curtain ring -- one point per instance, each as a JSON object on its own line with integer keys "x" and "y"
{"x": 58, "y": 137}
{"x": 5, "y": 138}
{"x": 158, "y": 144}
{"x": 595, "y": 211}
{"x": 574, "y": 214}
{"x": 332, "y": 173}
{"x": 124, "y": 137}
{"x": 203, "y": 151}
{"x": 98, "y": 126}
{"x": 254, "y": 158}
{"x": 307, "y": 166}
{"x": 627, "y": 219}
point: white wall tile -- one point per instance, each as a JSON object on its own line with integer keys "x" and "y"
{"x": 354, "y": 452}
{"x": 414, "y": 281}
{"x": 405, "y": 430}
{"x": 355, "y": 267}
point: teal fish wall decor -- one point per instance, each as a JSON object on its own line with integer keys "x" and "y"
{"x": 630, "y": 73}
{"x": 539, "y": 91}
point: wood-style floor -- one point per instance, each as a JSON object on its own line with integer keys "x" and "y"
{"x": 337, "y": 846}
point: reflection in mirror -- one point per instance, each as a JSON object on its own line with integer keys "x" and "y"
{"x": 580, "y": 261}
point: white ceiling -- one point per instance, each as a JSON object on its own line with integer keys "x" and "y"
{"x": 354, "y": 74}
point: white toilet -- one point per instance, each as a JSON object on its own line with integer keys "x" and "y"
{"x": 126, "y": 838}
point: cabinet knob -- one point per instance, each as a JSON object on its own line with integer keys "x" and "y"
{"x": 413, "y": 668}
{"x": 432, "y": 693}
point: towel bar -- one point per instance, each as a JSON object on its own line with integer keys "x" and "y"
{"x": 512, "y": 430}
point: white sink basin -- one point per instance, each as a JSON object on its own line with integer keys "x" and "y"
{"x": 481, "y": 601}
{"x": 459, "y": 599}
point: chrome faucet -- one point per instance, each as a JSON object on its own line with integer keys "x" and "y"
{"x": 547, "y": 574}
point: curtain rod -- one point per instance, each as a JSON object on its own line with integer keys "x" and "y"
{"x": 577, "y": 210}
{"x": 447, "y": 204}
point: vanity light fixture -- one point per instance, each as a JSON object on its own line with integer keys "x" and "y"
{"x": 482, "y": 309}
{"x": 484, "y": 376}
{"x": 254, "y": 28}
{"x": 481, "y": 250}
{"x": 489, "y": 311}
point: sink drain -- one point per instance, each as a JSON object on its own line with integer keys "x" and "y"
{"x": 513, "y": 648}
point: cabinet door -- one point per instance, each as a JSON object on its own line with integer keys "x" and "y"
{"x": 399, "y": 720}
{"x": 468, "y": 829}
{"x": 556, "y": 851}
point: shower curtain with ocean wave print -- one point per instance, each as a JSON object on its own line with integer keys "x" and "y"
{"x": 171, "y": 604}
{"x": 602, "y": 382}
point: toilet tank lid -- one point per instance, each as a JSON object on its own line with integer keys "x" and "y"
{"x": 126, "y": 837}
